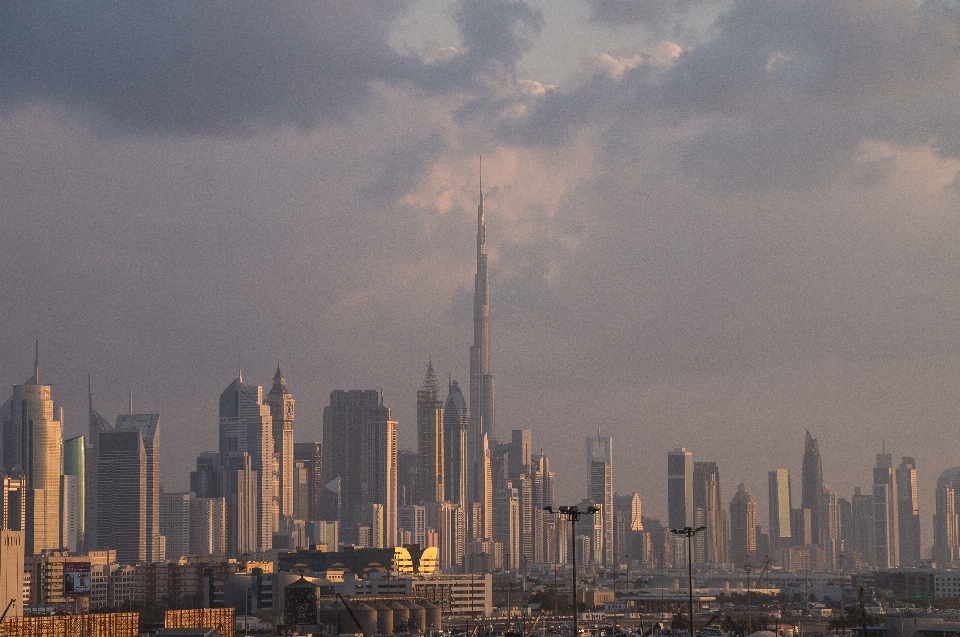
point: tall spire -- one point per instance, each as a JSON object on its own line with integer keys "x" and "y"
{"x": 482, "y": 424}
{"x": 36, "y": 365}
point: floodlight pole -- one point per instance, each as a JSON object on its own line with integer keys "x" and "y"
{"x": 573, "y": 514}
{"x": 688, "y": 532}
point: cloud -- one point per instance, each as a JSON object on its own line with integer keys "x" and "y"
{"x": 234, "y": 68}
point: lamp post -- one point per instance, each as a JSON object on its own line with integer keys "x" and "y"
{"x": 573, "y": 514}
{"x": 688, "y": 532}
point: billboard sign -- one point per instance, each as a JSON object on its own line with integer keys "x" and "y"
{"x": 76, "y": 579}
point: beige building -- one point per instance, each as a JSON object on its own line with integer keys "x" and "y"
{"x": 11, "y": 571}
{"x": 32, "y": 442}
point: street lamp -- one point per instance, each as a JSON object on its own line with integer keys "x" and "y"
{"x": 573, "y": 514}
{"x": 688, "y": 532}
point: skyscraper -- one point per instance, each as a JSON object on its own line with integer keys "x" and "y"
{"x": 679, "y": 499}
{"x": 811, "y": 487}
{"x": 743, "y": 527}
{"x": 600, "y": 490}
{"x": 310, "y": 453}
{"x": 148, "y": 427}
{"x": 32, "y": 440}
{"x": 781, "y": 535}
{"x": 430, "y": 438}
{"x": 908, "y": 512}
{"x": 343, "y": 422}
{"x": 946, "y": 535}
{"x": 380, "y": 475}
{"x": 482, "y": 415}
{"x": 246, "y": 429}
{"x": 95, "y": 424}
{"x": 679, "y": 488}
{"x": 708, "y": 511}
{"x": 887, "y": 531}
{"x": 73, "y": 494}
{"x": 456, "y": 423}
{"x": 281, "y": 412}
{"x": 122, "y": 495}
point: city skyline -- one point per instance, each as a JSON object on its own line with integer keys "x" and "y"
{"x": 712, "y": 229}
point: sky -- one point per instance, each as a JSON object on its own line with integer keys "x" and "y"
{"x": 712, "y": 225}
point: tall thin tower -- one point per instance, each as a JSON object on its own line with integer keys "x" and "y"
{"x": 482, "y": 421}
{"x": 811, "y": 483}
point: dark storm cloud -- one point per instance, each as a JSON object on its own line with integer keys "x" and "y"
{"x": 196, "y": 67}
{"x": 231, "y": 67}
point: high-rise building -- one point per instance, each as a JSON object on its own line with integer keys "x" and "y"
{"x": 380, "y": 463}
{"x": 456, "y": 423}
{"x": 32, "y": 439}
{"x": 708, "y": 546}
{"x": 679, "y": 500}
{"x": 811, "y": 487}
{"x": 679, "y": 488}
{"x": 148, "y": 427}
{"x": 600, "y": 491}
{"x": 246, "y": 428}
{"x": 430, "y": 438}
{"x": 743, "y": 527}
{"x": 95, "y": 424}
{"x": 73, "y": 494}
{"x": 832, "y": 528}
{"x": 122, "y": 495}
{"x": 781, "y": 535}
{"x": 282, "y": 413}
{"x": 862, "y": 534}
{"x": 343, "y": 450}
{"x": 310, "y": 454}
{"x": 946, "y": 535}
{"x": 482, "y": 415}
{"x": 506, "y": 528}
{"x": 908, "y": 512}
{"x": 887, "y": 532}
{"x": 542, "y": 479}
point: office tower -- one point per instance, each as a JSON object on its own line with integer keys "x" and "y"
{"x": 205, "y": 481}
{"x": 482, "y": 415}
{"x": 456, "y": 423}
{"x": 310, "y": 454}
{"x": 343, "y": 426}
{"x": 148, "y": 427}
{"x": 482, "y": 520}
{"x": 863, "y": 533}
{"x": 208, "y": 526}
{"x": 679, "y": 488}
{"x": 412, "y": 524}
{"x": 832, "y": 529}
{"x": 380, "y": 479}
{"x": 408, "y": 477}
{"x": 543, "y": 479}
{"x": 708, "y": 511}
{"x": 743, "y": 527}
{"x": 430, "y": 438}
{"x": 908, "y": 512}
{"x": 122, "y": 495}
{"x": 521, "y": 452}
{"x": 780, "y": 508}
{"x": 175, "y": 523}
{"x": 281, "y": 412}
{"x": 886, "y": 544}
{"x": 73, "y": 494}
{"x": 32, "y": 440}
{"x": 95, "y": 424}
{"x": 506, "y": 524}
{"x": 449, "y": 520}
{"x": 528, "y": 517}
{"x": 946, "y": 535}
{"x": 627, "y": 528}
{"x": 801, "y": 524}
{"x": 600, "y": 490}
{"x": 811, "y": 487}
{"x": 246, "y": 428}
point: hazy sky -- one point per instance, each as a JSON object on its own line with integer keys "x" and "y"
{"x": 711, "y": 224}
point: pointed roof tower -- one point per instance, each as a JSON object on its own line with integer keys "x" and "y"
{"x": 279, "y": 382}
